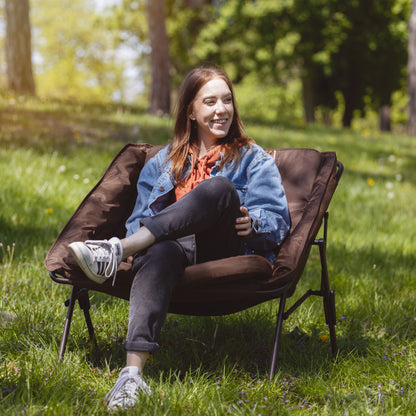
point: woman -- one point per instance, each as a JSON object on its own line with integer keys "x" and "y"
{"x": 213, "y": 193}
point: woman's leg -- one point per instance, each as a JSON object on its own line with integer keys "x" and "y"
{"x": 137, "y": 359}
{"x": 136, "y": 242}
{"x": 209, "y": 211}
{"x": 156, "y": 273}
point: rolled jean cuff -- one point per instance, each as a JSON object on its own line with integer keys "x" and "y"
{"x": 153, "y": 227}
{"x": 142, "y": 346}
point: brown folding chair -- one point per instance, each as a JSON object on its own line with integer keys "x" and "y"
{"x": 217, "y": 287}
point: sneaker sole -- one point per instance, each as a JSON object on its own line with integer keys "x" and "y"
{"x": 79, "y": 257}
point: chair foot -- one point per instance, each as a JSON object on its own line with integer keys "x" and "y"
{"x": 279, "y": 324}
{"x": 332, "y": 322}
{"x": 70, "y": 303}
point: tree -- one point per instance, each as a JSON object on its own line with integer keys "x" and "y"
{"x": 365, "y": 64}
{"x": 412, "y": 70}
{"x": 18, "y": 47}
{"x": 354, "y": 47}
{"x": 160, "y": 61}
{"x": 263, "y": 40}
{"x": 142, "y": 26}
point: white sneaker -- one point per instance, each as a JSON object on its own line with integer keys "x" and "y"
{"x": 126, "y": 391}
{"x": 98, "y": 259}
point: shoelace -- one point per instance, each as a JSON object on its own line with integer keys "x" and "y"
{"x": 105, "y": 252}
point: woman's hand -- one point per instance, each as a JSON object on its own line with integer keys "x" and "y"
{"x": 244, "y": 224}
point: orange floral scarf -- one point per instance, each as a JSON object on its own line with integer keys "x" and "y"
{"x": 200, "y": 172}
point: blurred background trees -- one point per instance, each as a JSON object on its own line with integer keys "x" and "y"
{"x": 322, "y": 60}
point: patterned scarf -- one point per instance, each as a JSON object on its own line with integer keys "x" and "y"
{"x": 200, "y": 172}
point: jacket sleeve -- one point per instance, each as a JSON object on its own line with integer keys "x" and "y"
{"x": 266, "y": 203}
{"x": 145, "y": 184}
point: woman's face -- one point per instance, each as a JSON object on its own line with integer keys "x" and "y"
{"x": 213, "y": 111}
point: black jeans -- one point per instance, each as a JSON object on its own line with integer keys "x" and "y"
{"x": 209, "y": 212}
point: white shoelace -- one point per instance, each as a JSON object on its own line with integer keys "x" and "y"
{"x": 104, "y": 252}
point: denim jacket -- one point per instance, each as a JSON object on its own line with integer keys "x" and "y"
{"x": 258, "y": 184}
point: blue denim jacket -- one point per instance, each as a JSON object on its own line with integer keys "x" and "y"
{"x": 257, "y": 181}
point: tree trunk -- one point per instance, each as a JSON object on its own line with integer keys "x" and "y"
{"x": 348, "y": 115}
{"x": 160, "y": 62}
{"x": 308, "y": 98}
{"x": 351, "y": 99}
{"x": 18, "y": 47}
{"x": 411, "y": 69}
{"x": 385, "y": 118}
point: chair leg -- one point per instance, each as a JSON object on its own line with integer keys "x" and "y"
{"x": 84, "y": 303}
{"x": 328, "y": 298}
{"x": 82, "y": 296}
{"x": 279, "y": 324}
{"x": 70, "y": 303}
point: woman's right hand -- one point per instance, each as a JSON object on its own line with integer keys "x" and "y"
{"x": 244, "y": 224}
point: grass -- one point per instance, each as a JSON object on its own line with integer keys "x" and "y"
{"x": 52, "y": 153}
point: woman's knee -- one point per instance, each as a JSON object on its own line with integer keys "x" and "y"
{"x": 218, "y": 185}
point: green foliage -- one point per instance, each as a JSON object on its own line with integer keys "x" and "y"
{"x": 249, "y": 37}
{"x": 184, "y": 25}
{"x": 268, "y": 103}
{"x": 77, "y": 54}
{"x": 52, "y": 153}
{"x": 323, "y": 49}
{"x": 356, "y": 48}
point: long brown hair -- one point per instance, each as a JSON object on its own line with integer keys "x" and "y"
{"x": 185, "y": 131}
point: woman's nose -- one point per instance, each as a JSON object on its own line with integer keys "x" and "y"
{"x": 220, "y": 106}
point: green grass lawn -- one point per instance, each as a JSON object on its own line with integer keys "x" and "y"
{"x": 51, "y": 154}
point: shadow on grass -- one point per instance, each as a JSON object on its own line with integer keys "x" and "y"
{"x": 214, "y": 346}
{"x": 68, "y": 127}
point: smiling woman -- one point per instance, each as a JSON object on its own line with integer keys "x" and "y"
{"x": 213, "y": 193}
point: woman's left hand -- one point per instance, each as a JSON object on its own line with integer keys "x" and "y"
{"x": 244, "y": 224}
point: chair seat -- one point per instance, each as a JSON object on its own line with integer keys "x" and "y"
{"x": 221, "y": 286}
{"x": 213, "y": 288}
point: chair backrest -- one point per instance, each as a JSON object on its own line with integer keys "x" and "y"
{"x": 308, "y": 177}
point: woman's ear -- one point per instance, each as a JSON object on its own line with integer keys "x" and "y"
{"x": 192, "y": 116}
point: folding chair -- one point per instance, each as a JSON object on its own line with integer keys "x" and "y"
{"x": 217, "y": 287}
